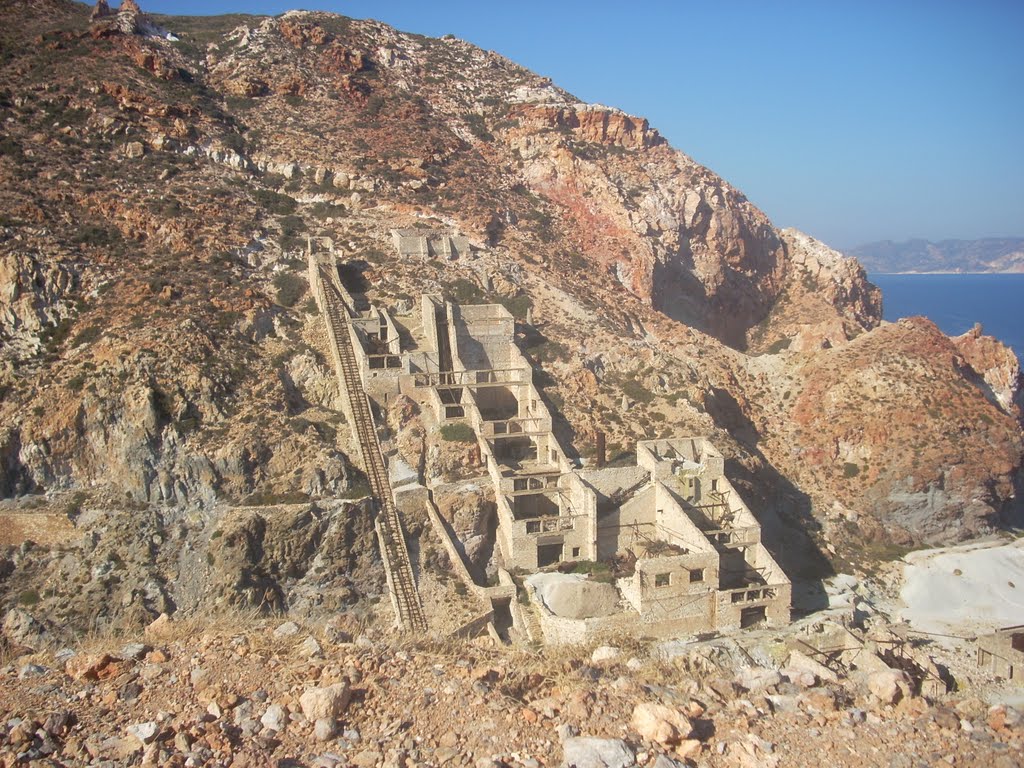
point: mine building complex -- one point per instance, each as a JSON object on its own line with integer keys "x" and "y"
{"x": 688, "y": 551}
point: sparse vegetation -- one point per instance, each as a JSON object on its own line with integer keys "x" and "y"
{"x": 270, "y": 498}
{"x": 634, "y": 390}
{"x": 87, "y": 335}
{"x": 290, "y": 288}
{"x": 458, "y": 433}
{"x": 274, "y": 202}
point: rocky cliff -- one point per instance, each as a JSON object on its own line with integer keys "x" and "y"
{"x": 159, "y": 344}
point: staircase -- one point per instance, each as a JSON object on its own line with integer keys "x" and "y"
{"x": 397, "y": 566}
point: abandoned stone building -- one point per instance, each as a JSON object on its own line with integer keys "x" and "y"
{"x": 429, "y": 243}
{"x": 678, "y": 549}
{"x": 1001, "y": 654}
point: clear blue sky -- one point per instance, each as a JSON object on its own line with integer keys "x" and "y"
{"x": 852, "y": 120}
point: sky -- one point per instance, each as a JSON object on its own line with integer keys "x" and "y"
{"x": 853, "y": 120}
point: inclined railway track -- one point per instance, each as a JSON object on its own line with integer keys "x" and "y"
{"x": 395, "y": 554}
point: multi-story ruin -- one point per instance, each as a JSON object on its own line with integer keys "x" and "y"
{"x": 679, "y": 550}
{"x": 429, "y": 243}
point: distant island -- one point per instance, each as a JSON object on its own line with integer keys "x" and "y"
{"x": 990, "y": 254}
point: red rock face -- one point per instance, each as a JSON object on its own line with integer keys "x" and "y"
{"x": 338, "y": 58}
{"x": 301, "y": 34}
{"x": 600, "y": 126}
{"x": 889, "y": 425}
{"x": 673, "y": 234}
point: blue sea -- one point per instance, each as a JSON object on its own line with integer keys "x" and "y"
{"x": 956, "y": 302}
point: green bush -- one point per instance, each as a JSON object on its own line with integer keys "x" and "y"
{"x": 463, "y": 291}
{"x": 292, "y": 225}
{"x": 374, "y": 105}
{"x": 234, "y": 142}
{"x": 10, "y": 148}
{"x": 87, "y": 335}
{"x": 290, "y": 288}
{"x": 93, "y": 234}
{"x": 274, "y": 202}
{"x": 598, "y": 571}
{"x": 476, "y": 125}
{"x": 518, "y": 306}
{"x": 634, "y": 390}
{"x": 328, "y": 210}
{"x": 74, "y": 507}
{"x": 458, "y": 433}
{"x": 850, "y": 470}
{"x": 266, "y": 499}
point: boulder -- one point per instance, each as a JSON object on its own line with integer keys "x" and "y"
{"x": 656, "y": 722}
{"x": 758, "y": 678}
{"x": 325, "y": 728}
{"x": 585, "y": 752}
{"x": 801, "y": 662}
{"x": 22, "y": 629}
{"x": 91, "y": 666}
{"x": 144, "y": 732}
{"x": 1001, "y": 717}
{"x": 159, "y": 628}
{"x": 604, "y": 653}
{"x": 573, "y": 596}
{"x": 275, "y": 718}
{"x": 889, "y": 686}
{"x": 325, "y": 703}
{"x": 287, "y": 629}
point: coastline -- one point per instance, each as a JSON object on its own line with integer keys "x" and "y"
{"x": 947, "y": 272}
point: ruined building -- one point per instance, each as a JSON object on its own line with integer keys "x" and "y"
{"x": 669, "y": 545}
{"x": 1001, "y": 653}
{"x": 429, "y": 243}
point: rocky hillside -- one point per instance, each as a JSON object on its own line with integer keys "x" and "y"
{"x": 990, "y": 254}
{"x": 161, "y": 359}
{"x": 194, "y": 694}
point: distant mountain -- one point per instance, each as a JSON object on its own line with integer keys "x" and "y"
{"x": 990, "y": 254}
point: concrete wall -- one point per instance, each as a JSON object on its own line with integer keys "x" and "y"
{"x": 559, "y": 630}
{"x": 429, "y": 243}
{"x": 666, "y": 587}
{"x": 675, "y": 526}
{"x": 617, "y": 528}
{"x": 774, "y": 598}
{"x": 574, "y": 527}
{"x": 665, "y": 457}
{"x": 997, "y": 656}
{"x": 429, "y": 303}
{"x": 484, "y": 336}
{"x": 609, "y": 480}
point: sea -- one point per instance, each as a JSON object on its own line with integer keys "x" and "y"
{"x": 955, "y": 302}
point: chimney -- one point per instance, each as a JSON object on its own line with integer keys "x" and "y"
{"x": 600, "y": 449}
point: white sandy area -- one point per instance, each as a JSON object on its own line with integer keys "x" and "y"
{"x": 965, "y": 590}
